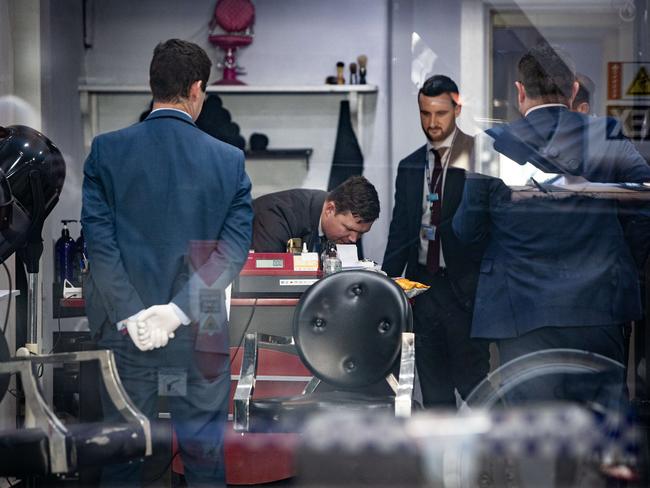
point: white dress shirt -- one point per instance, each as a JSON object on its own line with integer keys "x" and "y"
{"x": 444, "y": 149}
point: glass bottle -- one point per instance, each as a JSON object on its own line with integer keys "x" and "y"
{"x": 331, "y": 260}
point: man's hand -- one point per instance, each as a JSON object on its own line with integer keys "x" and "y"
{"x": 157, "y": 324}
{"x": 140, "y": 334}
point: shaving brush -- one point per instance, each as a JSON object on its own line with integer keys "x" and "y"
{"x": 339, "y": 73}
{"x": 363, "y": 61}
{"x": 353, "y": 74}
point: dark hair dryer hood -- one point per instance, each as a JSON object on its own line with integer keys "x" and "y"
{"x": 34, "y": 170}
{"x": 23, "y": 150}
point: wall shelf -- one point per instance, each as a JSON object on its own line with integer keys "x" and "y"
{"x": 298, "y": 153}
{"x": 245, "y": 89}
{"x": 89, "y": 95}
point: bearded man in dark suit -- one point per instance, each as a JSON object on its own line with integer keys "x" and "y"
{"x": 428, "y": 189}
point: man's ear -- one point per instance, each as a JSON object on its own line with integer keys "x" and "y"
{"x": 330, "y": 207}
{"x": 456, "y": 103}
{"x": 574, "y": 92}
{"x": 521, "y": 92}
{"x": 195, "y": 89}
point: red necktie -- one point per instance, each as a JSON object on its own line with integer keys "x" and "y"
{"x": 435, "y": 187}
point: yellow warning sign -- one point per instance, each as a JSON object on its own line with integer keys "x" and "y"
{"x": 641, "y": 83}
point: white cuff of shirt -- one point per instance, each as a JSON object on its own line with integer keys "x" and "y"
{"x": 185, "y": 320}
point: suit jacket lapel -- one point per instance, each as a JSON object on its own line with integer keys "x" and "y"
{"x": 454, "y": 183}
{"x": 462, "y": 152}
{"x": 415, "y": 186}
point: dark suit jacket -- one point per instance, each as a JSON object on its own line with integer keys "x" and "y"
{"x": 404, "y": 234}
{"x": 149, "y": 191}
{"x": 558, "y": 140}
{"x": 285, "y": 214}
{"x": 552, "y": 263}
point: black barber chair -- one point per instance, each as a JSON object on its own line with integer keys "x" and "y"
{"x": 349, "y": 329}
{"x": 32, "y": 172}
{"x": 44, "y": 445}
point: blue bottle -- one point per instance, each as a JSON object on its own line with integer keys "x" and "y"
{"x": 64, "y": 255}
{"x": 80, "y": 259}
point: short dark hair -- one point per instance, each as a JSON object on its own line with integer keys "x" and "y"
{"x": 358, "y": 196}
{"x": 175, "y": 65}
{"x": 585, "y": 91}
{"x": 437, "y": 85}
{"x": 547, "y": 73}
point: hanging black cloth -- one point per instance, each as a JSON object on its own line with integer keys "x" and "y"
{"x": 215, "y": 119}
{"x": 348, "y": 159}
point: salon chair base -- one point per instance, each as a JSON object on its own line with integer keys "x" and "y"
{"x": 290, "y": 413}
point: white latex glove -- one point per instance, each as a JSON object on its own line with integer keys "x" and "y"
{"x": 140, "y": 335}
{"x": 158, "y": 324}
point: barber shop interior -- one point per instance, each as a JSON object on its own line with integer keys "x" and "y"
{"x": 343, "y": 243}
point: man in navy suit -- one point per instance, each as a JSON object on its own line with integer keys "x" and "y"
{"x": 167, "y": 217}
{"x": 557, "y": 273}
{"x": 428, "y": 188}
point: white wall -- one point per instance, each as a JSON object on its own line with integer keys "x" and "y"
{"x": 6, "y": 54}
{"x": 438, "y": 24}
{"x": 296, "y": 42}
{"x": 62, "y": 65}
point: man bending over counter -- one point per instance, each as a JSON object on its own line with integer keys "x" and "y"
{"x": 341, "y": 216}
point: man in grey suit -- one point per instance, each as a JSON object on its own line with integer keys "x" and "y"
{"x": 167, "y": 217}
{"x": 556, "y": 273}
{"x": 341, "y": 216}
{"x": 428, "y": 189}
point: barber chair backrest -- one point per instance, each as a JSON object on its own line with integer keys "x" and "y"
{"x": 347, "y": 327}
{"x": 234, "y": 15}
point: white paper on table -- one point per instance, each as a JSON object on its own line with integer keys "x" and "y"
{"x": 348, "y": 255}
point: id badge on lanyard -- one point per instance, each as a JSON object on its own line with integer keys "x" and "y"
{"x": 429, "y": 232}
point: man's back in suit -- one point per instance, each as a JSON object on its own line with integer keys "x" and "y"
{"x": 550, "y": 256}
{"x": 557, "y": 273}
{"x": 167, "y": 218}
{"x": 158, "y": 206}
{"x": 548, "y": 263}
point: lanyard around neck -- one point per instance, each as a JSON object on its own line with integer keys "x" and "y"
{"x": 444, "y": 162}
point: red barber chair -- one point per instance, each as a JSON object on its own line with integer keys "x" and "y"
{"x": 235, "y": 18}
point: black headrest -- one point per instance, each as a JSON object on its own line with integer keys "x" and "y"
{"x": 348, "y": 326}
